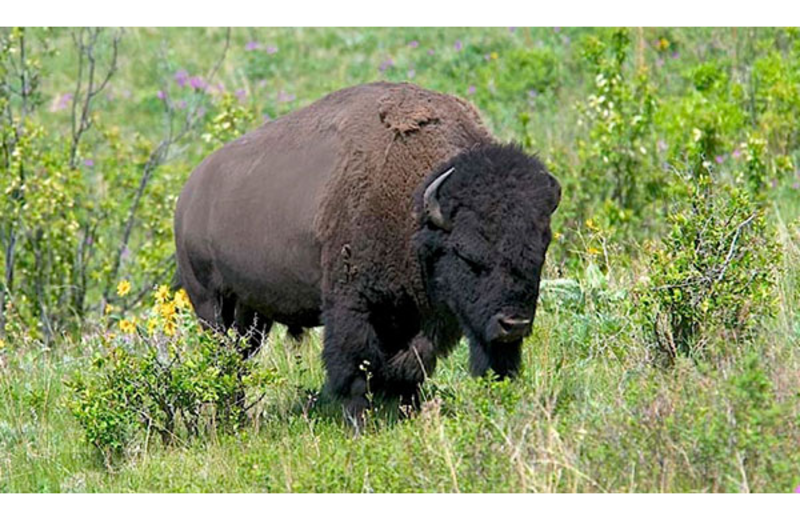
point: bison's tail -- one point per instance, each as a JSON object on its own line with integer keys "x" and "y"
{"x": 176, "y": 283}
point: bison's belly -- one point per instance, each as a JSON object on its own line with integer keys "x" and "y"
{"x": 278, "y": 276}
{"x": 261, "y": 223}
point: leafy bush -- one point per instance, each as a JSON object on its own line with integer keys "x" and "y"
{"x": 160, "y": 375}
{"x": 84, "y": 207}
{"x": 715, "y": 272}
{"x": 616, "y": 158}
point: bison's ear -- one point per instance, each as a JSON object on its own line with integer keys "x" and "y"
{"x": 430, "y": 202}
{"x": 555, "y": 190}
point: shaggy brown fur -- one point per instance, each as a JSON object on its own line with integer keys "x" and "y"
{"x": 392, "y": 136}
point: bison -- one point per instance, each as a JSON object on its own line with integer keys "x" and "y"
{"x": 385, "y": 212}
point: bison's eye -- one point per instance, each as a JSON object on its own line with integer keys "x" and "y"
{"x": 476, "y": 267}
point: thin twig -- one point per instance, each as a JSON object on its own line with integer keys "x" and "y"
{"x": 732, "y": 249}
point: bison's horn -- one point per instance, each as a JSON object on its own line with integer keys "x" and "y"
{"x": 431, "y": 202}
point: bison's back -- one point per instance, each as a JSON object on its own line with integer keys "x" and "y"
{"x": 244, "y": 221}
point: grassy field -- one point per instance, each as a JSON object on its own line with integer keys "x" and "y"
{"x": 595, "y": 408}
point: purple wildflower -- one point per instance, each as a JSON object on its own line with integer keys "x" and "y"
{"x": 796, "y": 186}
{"x": 386, "y": 64}
{"x": 182, "y": 104}
{"x": 88, "y": 162}
{"x": 774, "y": 183}
{"x": 676, "y": 55}
{"x": 512, "y": 29}
{"x": 566, "y": 39}
{"x": 220, "y": 87}
{"x": 487, "y": 57}
{"x": 251, "y": 46}
{"x": 458, "y": 45}
{"x": 471, "y": 90}
{"x": 285, "y": 97}
{"x": 197, "y": 83}
{"x": 413, "y": 44}
{"x": 411, "y": 73}
{"x": 201, "y": 111}
{"x": 720, "y": 159}
{"x": 532, "y": 93}
{"x": 797, "y": 489}
{"x": 262, "y": 83}
{"x": 62, "y": 102}
{"x": 271, "y": 49}
{"x": 241, "y": 95}
{"x": 660, "y": 62}
{"x": 181, "y": 78}
{"x": 161, "y": 95}
{"x": 556, "y": 29}
{"x": 662, "y": 145}
{"x": 736, "y": 153}
{"x": 431, "y": 52}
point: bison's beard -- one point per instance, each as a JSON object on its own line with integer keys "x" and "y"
{"x": 503, "y": 358}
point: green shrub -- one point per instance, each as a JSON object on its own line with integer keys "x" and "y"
{"x": 162, "y": 375}
{"x": 84, "y": 202}
{"x": 616, "y": 160}
{"x": 716, "y": 271}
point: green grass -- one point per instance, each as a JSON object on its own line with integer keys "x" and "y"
{"x": 591, "y": 411}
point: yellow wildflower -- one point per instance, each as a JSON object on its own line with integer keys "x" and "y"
{"x": 2, "y": 343}
{"x": 593, "y": 251}
{"x": 591, "y": 225}
{"x": 663, "y": 44}
{"x": 109, "y": 309}
{"x": 182, "y": 299}
{"x": 170, "y": 328}
{"x": 128, "y": 326}
{"x": 167, "y": 310}
{"x": 123, "y": 287}
{"x": 494, "y": 55}
{"x": 162, "y": 294}
{"x": 152, "y": 325}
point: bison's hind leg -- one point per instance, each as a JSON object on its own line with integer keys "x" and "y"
{"x": 295, "y": 333}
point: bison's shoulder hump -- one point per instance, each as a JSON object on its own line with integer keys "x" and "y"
{"x": 406, "y": 108}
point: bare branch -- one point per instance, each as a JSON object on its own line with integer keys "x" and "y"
{"x": 732, "y": 249}
{"x": 83, "y": 98}
{"x": 157, "y": 157}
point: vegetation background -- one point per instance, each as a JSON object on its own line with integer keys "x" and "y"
{"x": 664, "y": 355}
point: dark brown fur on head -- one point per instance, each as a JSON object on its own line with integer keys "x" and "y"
{"x": 485, "y": 259}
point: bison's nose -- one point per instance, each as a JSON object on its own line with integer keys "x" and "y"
{"x": 510, "y": 328}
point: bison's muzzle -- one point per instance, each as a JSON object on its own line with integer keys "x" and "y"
{"x": 504, "y": 328}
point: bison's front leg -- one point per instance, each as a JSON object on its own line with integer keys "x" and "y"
{"x": 352, "y": 355}
{"x": 505, "y": 360}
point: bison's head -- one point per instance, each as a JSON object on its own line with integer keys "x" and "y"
{"x": 484, "y": 229}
